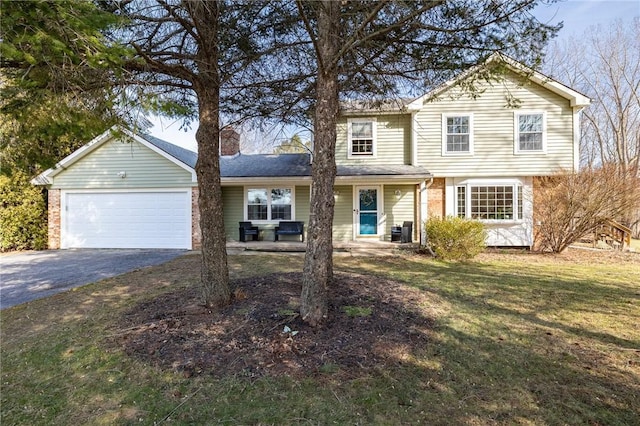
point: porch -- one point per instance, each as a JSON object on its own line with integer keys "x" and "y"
{"x": 341, "y": 248}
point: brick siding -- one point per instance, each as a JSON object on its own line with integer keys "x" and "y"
{"x": 229, "y": 142}
{"x": 53, "y": 218}
{"x": 436, "y": 198}
{"x": 196, "y": 235}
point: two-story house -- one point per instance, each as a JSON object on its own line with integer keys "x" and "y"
{"x": 450, "y": 152}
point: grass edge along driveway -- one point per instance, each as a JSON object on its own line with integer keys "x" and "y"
{"x": 519, "y": 339}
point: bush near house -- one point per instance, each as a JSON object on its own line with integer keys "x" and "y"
{"x": 23, "y": 214}
{"x": 570, "y": 205}
{"x": 454, "y": 238}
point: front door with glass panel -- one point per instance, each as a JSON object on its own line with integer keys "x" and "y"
{"x": 366, "y": 209}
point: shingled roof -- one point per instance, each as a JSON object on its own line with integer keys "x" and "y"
{"x": 281, "y": 165}
{"x": 265, "y": 165}
{"x": 182, "y": 154}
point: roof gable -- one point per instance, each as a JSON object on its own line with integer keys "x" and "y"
{"x": 575, "y": 98}
{"x": 396, "y": 106}
{"x": 258, "y": 166}
{"x": 179, "y": 156}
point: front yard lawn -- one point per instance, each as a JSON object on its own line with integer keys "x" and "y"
{"x": 510, "y": 338}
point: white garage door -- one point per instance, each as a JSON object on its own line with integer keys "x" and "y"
{"x": 127, "y": 220}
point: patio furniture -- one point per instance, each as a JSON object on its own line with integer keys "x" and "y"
{"x": 402, "y": 233}
{"x": 246, "y": 229}
{"x": 290, "y": 228}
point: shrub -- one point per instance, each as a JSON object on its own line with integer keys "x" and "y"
{"x": 23, "y": 218}
{"x": 570, "y": 205}
{"x": 454, "y": 238}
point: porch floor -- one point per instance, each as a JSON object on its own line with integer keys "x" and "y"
{"x": 349, "y": 248}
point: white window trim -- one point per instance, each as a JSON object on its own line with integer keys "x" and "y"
{"x": 517, "y": 187}
{"x": 516, "y": 132}
{"x": 379, "y": 209}
{"x": 268, "y": 221}
{"x": 374, "y": 147}
{"x": 446, "y": 153}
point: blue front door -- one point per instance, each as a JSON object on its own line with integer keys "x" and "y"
{"x": 367, "y": 211}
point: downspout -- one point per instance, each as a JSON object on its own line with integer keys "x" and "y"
{"x": 421, "y": 187}
{"x": 414, "y": 139}
{"x": 576, "y": 138}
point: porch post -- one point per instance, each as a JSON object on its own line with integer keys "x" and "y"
{"x": 424, "y": 205}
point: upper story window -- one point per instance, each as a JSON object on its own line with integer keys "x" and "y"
{"x": 269, "y": 203}
{"x": 457, "y": 134}
{"x": 362, "y": 137}
{"x": 530, "y": 132}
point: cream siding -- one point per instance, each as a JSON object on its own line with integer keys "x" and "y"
{"x": 233, "y": 205}
{"x": 303, "y": 194}
{"x": 144, "y": 168}
{"x": 395, "y": 209}
{"x": 493, "y": 132}
{"x": 398, "y": 208}
{"x": 234, "y": 211}
{"x": 343, "y": 213}
{"x": 393, "y": 141}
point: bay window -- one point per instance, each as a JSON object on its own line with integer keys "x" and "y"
{"x": 489, "y": 202}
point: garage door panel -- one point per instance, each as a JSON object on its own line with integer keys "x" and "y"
{"x": 128, "y": 220}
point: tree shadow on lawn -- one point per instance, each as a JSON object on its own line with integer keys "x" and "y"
{"x": 373, "y": 323}
{"x": 529, "y": 293}
{"x": 491, "y": 379}
{"x": 395, "y": 338}
{"x": 500, "y": 331}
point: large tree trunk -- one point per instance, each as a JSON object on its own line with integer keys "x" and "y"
{"x": 215, "y": 271}
{"x": 318, "y": 265}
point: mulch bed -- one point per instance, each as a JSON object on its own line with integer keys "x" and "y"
{"x": 373, "y": 323}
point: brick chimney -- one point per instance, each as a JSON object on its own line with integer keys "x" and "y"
{"x": 229, "y": 141}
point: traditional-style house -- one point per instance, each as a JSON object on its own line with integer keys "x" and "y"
{"x": 449, "y": 152}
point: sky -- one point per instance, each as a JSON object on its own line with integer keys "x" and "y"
{"x": 577, "y": 15}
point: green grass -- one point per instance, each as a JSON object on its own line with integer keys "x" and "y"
{"x": 357, "y": 311}
{"x": 518, "y": 339}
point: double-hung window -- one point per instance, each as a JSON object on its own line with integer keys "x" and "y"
{"x": 457, "y": 134}
{"x": 489, "y": 202}
{"x": 269, "y": 204}
{"x": 530, "y": 132}
{"x": 362, "y": 137}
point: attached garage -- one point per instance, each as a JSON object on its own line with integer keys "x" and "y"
{"x": 123, "y": 191}
{"x": 126, "y": 219}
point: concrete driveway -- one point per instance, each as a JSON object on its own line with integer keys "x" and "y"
{"x": 37, "y": 274}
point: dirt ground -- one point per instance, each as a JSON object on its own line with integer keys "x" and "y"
{"x": 373, "y": 323}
